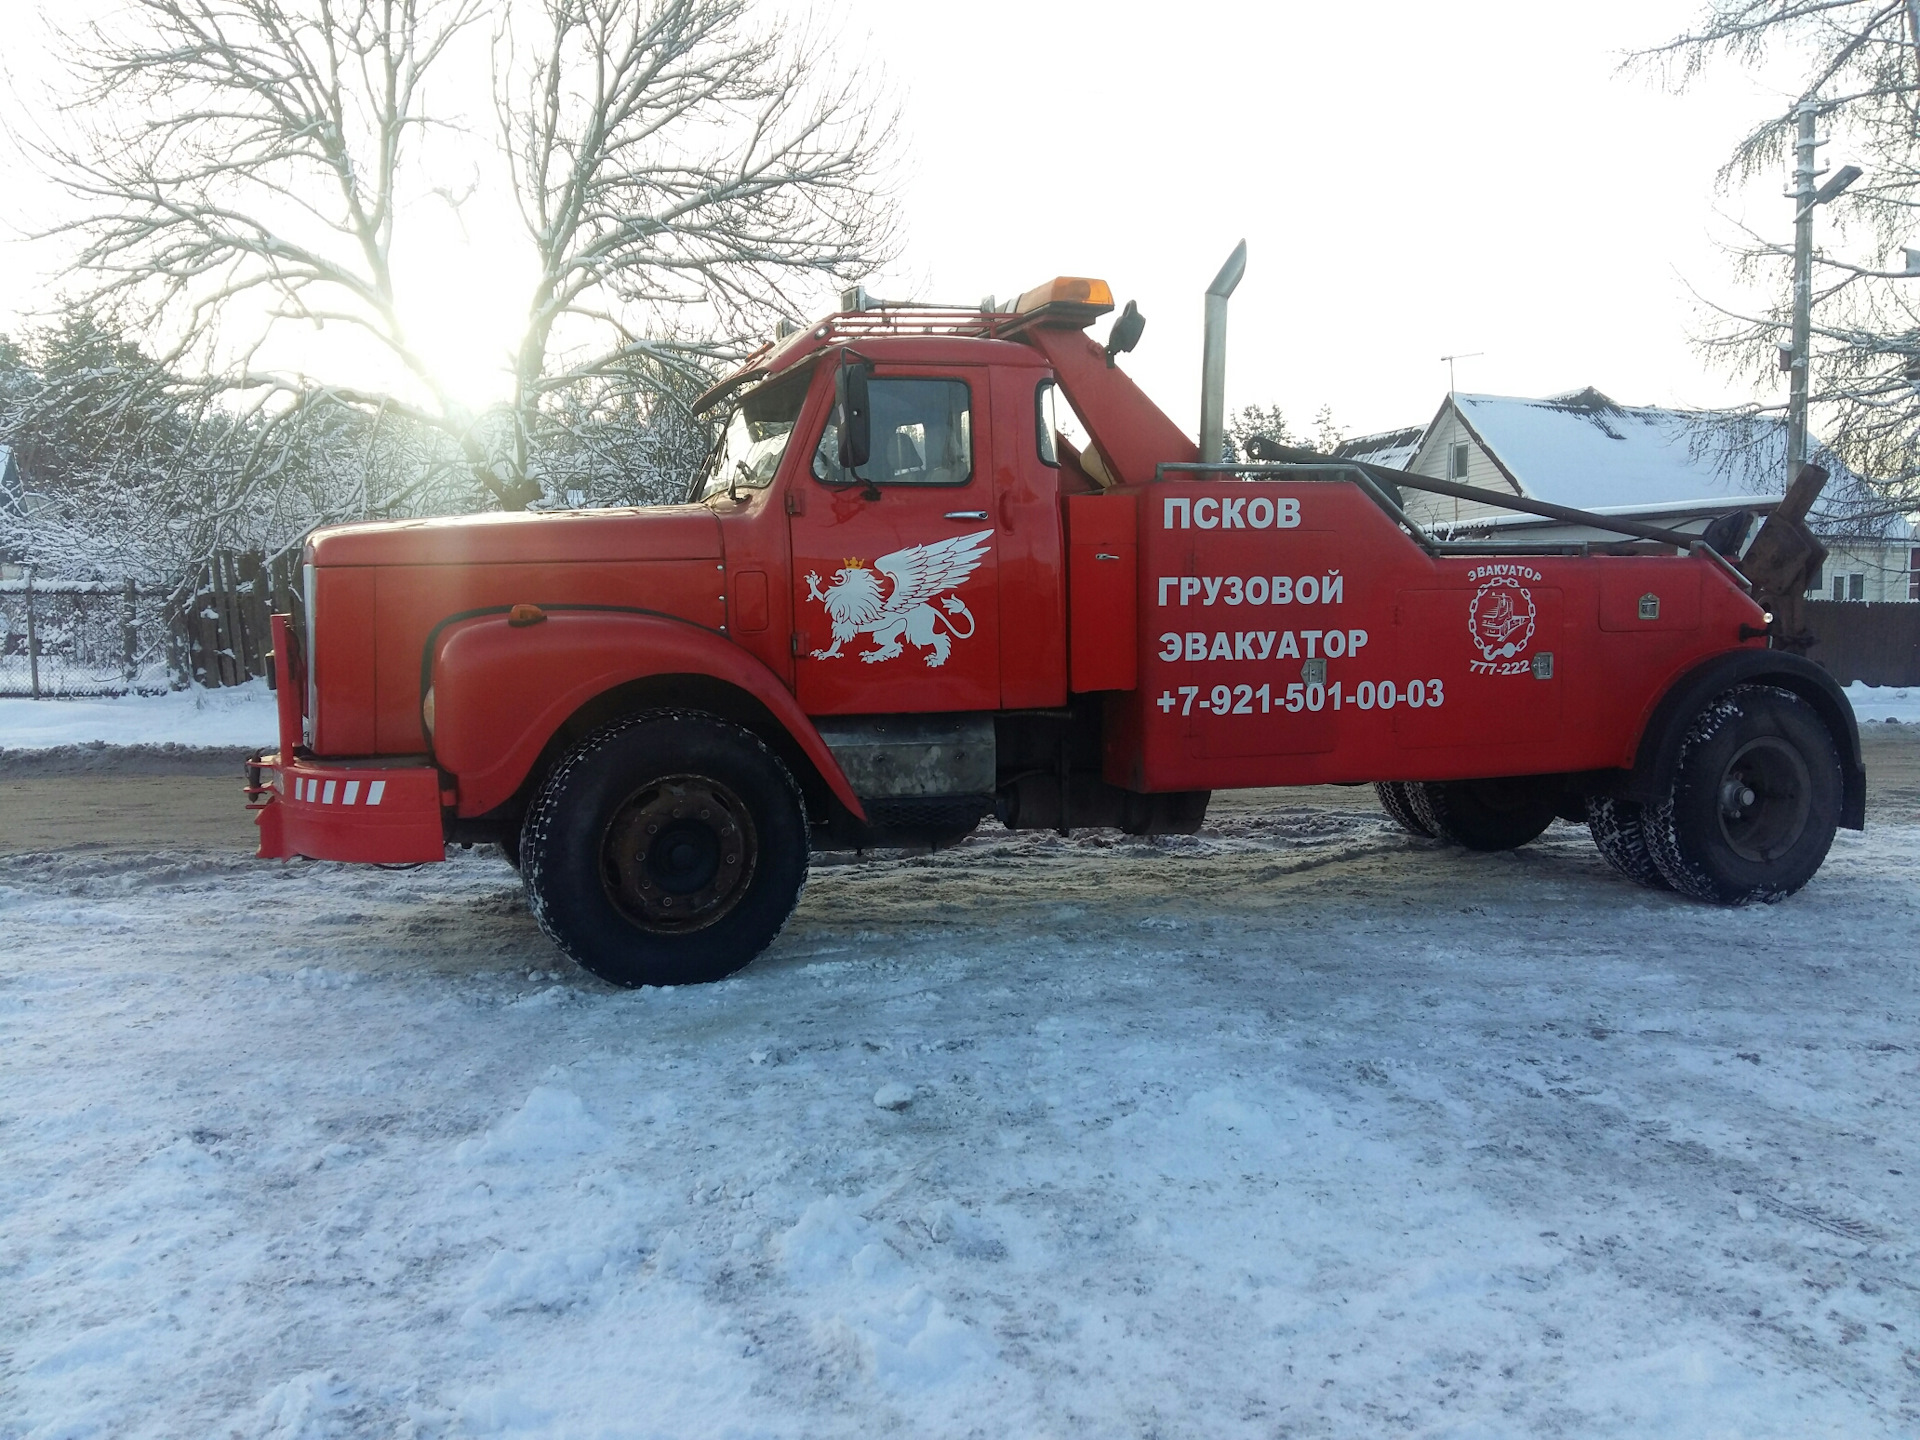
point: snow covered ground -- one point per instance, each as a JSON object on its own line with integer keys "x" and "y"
{"x": 244, "y": 716}
{"x": 1299, "y": 1127}
{"x": 231, "y": 718}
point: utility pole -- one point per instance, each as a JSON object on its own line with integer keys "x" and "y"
{"x": 1802, "y": 195}
{"x": 1805, "y": 197}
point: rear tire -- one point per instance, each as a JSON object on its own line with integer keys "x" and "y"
{"x": 1499, "y": 814}
{"x": 1398, "y": 804}
{"x": 1754, "y": 801}
{"x": 1619, "y": 830}
{"x": 666, "y": 849}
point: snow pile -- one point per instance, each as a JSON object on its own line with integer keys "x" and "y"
{"x": 1297, "y": 1126}
{"x": 233, "y": 717}
{"x": 1877, "y": 704}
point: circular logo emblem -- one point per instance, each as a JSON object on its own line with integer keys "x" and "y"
{"x": 1501, "y": 619}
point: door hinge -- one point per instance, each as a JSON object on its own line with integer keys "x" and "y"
{"x": 793, "y": 644}
{"x": 795, "y": 505}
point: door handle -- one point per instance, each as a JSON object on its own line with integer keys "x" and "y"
{"x": 966, "y": 514}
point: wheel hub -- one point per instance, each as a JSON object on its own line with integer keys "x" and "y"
{"x": 1766, "y": 795}
{"x": 679, "y": 853}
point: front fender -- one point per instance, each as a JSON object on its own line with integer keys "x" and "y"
{"x": 502, "y": 691}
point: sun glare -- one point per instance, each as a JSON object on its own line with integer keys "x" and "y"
{"x": 464, "y": 306}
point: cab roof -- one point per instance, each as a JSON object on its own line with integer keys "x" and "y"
{"x": 927, "y": 333}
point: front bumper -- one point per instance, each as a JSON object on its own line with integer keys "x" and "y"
{"x": 352, "y": 810}
{"x": 376, "y": 811}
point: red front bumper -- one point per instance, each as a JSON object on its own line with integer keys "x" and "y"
{"x": 356, "y": 810}
{"x": 380, "y": 811}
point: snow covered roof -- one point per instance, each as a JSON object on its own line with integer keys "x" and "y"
{"x": 1395, "y": 448}
{"x": 1586, "y": 450}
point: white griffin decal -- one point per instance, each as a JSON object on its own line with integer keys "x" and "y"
{"x": 918, "y": 574}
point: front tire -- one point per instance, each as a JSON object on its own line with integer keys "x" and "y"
{"x": 1501, "y": 814}
{"x": 1754, "y": 802}
{"x": 666, "y": 849}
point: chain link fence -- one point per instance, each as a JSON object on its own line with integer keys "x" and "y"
{"x": 66, "y": 639}
{"x": 72, "y": 638}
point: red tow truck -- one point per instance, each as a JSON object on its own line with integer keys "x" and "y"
{"x": 898, "y": 600}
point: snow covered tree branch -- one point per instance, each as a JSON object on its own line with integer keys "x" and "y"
{"x": 130, "y": 471}
{"x": 1861, "y": 63}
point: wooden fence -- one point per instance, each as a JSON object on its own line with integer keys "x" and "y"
{"x": 1871, "y": 642}
{"x": 225, "y": 631}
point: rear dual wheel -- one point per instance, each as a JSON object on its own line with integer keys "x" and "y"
{"x": 1396, "y": 799}
{"x": 1754, "y": 803}
{"x": 1498, "y": 814}
{"x": 665, "y": 849}
{"x": 1751, "y": 809}
{"x": 1619, "y": 831}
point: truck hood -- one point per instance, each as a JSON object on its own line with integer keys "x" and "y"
{"x": 659, "y": 532}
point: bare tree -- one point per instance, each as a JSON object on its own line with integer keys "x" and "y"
{"x": 246, "y": 169}
{"x": 1862, "y": 63}
{"x": 671, "y": 162}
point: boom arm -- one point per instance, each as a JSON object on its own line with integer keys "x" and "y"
{"x": 1133, "y": 434}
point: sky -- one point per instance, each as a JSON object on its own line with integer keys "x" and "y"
{"x": 1412, "y": 181}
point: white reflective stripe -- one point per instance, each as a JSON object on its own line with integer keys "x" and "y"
{"x": 375, "y": 791}
{"x": 326, "y": 795}
{"x": 313, "y": 788}
{"x": 352, "y": 790}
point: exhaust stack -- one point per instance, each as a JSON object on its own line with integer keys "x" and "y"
{"x": 1213, "y": 356}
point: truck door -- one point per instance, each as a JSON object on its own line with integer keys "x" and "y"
{"x": 896, "y": 589}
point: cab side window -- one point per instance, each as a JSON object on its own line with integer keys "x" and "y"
{"x": 922, "y": 435}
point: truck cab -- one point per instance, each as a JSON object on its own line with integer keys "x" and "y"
{"x": 898, "y": 600}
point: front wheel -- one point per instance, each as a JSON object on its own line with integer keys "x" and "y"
{"x": 1754, "y": 801}
{"x": 666, "y": 849}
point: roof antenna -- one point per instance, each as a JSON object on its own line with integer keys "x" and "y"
{"x": 1469, "y": 355}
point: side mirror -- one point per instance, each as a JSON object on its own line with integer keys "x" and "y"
{"x": 1125, "y": 333}
{"x": 856, "y": 420}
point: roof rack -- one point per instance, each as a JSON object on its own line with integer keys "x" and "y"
{"x": 882, "y": 320}
{"x": 1063, "y": 300}
{"x": 917, "y": 320}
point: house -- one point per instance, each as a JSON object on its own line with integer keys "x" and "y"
{"x": 1675, "y": 468}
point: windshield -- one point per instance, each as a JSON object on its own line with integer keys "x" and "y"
{"x": 747, "y": 456}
